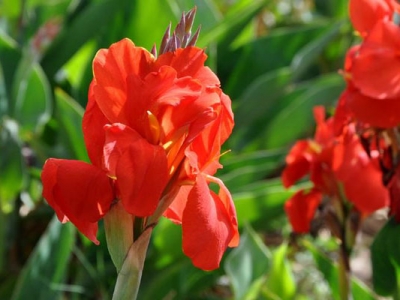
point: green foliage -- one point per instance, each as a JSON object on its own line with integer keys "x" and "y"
{"x": 275, "y": 73}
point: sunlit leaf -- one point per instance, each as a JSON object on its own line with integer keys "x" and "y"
{"x": 247, "y": 263}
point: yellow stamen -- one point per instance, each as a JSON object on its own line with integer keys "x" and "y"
{"x": 155, "y": 127}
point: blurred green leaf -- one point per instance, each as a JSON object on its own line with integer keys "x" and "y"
{"x": 234, "y": 21}
{"x": 70, "y": 114}
{"x": 280, "y": 279}
{"x": 32, "y": 96}
{"x": 247, "y": 263}
{"x": 43, "y": 277}
{"x": 85, "y": 26}
{"x": 385, "y": 257}
{"x": 330, "y": 271}
{"x": 12, "y": 171}
{"x": 248, "y": 168}
{"x": 246, "y": 63}
{"x": 307, "y": 56}
{"x": 296, "y": 118}
{"x": 10, "y": 55}
{"x": 256, "y": 205}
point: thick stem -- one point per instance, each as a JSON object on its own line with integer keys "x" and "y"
{"x": 128, "y": 281}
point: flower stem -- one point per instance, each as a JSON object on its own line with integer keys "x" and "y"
{"x": 128, "y": 280}
{"x": 344, "y": 271}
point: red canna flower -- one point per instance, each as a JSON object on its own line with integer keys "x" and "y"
{"x": 335, "y": 163}
{"x": 364, "y": 14}
{"x": 153, "y": 129}
{"x": 372, "y": 71}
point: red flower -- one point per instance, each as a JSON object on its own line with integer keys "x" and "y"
{"x": 372, "y": 73}
{"x": 153, "y": 130}
{"x": 364, "y": 14}
{"x": 332, "y": 162}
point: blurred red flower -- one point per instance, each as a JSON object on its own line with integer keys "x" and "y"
{"x": 338, "y": 166}
{"x": 153, "y": 129}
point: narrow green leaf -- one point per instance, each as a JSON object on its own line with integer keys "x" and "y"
{"x": 32, "y": 96}
{"x": 307, "y": 56}
{"x": 85, "y": 26}
{"x": 44, "y": 274}
{"x": 12, "y": 171}
{"x": 70, "y": 114}
{"x": 296, "y": 119}
{"x": 280, "y": 279}
{"x": 331, "y": 273}
{"x": 247, "y": 263}
{"x": 385, "y": 257}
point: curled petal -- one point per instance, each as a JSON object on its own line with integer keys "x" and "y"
{"x": 207, "y": 226}
{"x": 360, "y": 175}
{"x": 376, "y": 68}
{"x": 376, "y": 112}
{"x": 111, "y": 68}
{"x": 92, "y": 125}
{"x": 297, "y": 163}
{"x": 300, "y": 209}
{"x": 78, "y": 192}
{"x": 139, "y": 167}
{"x": 364, "y": 14}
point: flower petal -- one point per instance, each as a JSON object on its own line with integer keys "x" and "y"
{"x": 140, "y": 168}
{"x": 376, "y": 68}
{"x": 300, "y": 209}
{"x": 360, "y": 175}
{"x": 297, "y": 163}
{"x": 77, "y": 191}
{"x": 206, "y": 225}
{"x": 111, "y": 67}
{"x": 92, "y": 125}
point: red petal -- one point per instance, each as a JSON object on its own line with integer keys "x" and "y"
{"x": 297, "y": 163}
{"x": 207, "y": 227}
{"x": 140, "y": 168}
{"x": 300, "y": 209}
{"x": 186, "y": 61}
{"x": 376, "y": 68}
{"x": 78, "y": 191}
{"x": 111, "y": 68}
{"x": 92, "y": 125}
{"x": 360, "y": 176}
{"x": 364, "y": 14}
{"x": 376, "y": 112}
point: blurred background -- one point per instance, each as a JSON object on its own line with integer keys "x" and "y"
{"x": 276, "y": 59}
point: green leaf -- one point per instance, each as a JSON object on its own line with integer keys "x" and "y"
{"x": 261, "y": 201}
{"x": 242, "y": 65}
{"x": 32, "y": 96}
{"x": 331, "y": 273}
{"x": 385, "y": 257}
{"x": 233, "y": 22}
{"x": 296, "y": 118}
{"x": 84, "y": 27}
{"x": 247, "y": 168}
{"x": 307, "y": 56}
{"x": 280, "y": 279}
{"x": 43, "y": 276}
{"x": 247, "y": 263}
{"x": 12, "y": 172}
{"x": 70, "y": 114}
{"x": 9, "y": 58}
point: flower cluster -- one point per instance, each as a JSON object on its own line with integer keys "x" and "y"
{"x": 153, "y": 129}
{"x": 353, "y": 158}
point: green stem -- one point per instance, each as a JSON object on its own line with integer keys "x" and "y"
{"x": 128, "y": 280}
{"x": 344, "y": 271}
